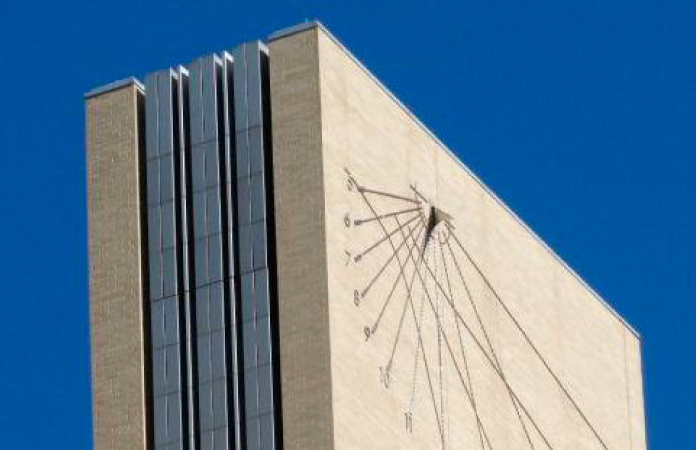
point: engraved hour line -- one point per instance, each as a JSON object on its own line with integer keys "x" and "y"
{"x": 458, "y": 370}
{"x": 427, "y": 370}
{"x": 461, "y": 345}
{"x": 529, "y": 341}
{"x": 490, "y": 346}
{"x": 358, "y": 222}
{"x": 485, "y": 354}
{"x": 439, "y": 343}
{"x": 384, "y": 267}
{"x": 416, "y": 356}
{"x": 389, "y": 297}
{"x": 363, "y": 189}
{"x": 410, "y": 300}
{"x": 359, "y": 256}
{"x": 405, "y": 308}
{"x": 415, "y": 190}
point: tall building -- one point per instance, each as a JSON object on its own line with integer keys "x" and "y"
{"x": 283, "y": 257}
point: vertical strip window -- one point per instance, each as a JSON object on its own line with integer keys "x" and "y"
{"x": 165, "y": 262}
{"x": 212, "y": 295}
{"x": 257, "y": 369}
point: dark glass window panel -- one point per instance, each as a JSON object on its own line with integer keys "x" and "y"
{"x": 205, "y": 399}
{"x": 215, "y": 258}
{"x": 169, "y": 272}
{"x": 201, "y": 261}
{"x": 249, "y": 344}
{"x": 202, "y": 311}
{"x": 256, "y": 156}
{"x": 267, "y": 432}
{"x": 213, "y": 210}
{"x": 245, "y": 249}
{"x": 155, "y": 274}
{"x": 164, "y": 97}
{"x": 151, "y": 107}
{"x": 258, "y": 236}
{"x": 198, "y": 168}
{"x": 196, "y": 101}
{"x": 157, "y": 323}
{"x": 152, "y": 181}
{"x": 173, "y": 369}
{"x": 221, "y": 439}
{"x": 159, "y": 371}
{"x": 258, "y": 198}
{"x": 154, "y": 228}
{"x": 207, "y": 440}
{"x": 240, "y": 89}
{"x": 253, "y": 73}
{"x": 265, "y": 389}
{"x": 217, "y": 313}
{"x": 160, "y": 413}
{"x": 248, "y": 297}
{"x": 166, "y": 178}
{"x": 251, "y": 393}
{"x": 253, "y": 434}
{"x": 212, "y": 163}
{"x": 209, "y": 98}
{"x": 263, "y": 344}
{"x": 204, "y": 363}
{"x": 261, "y": 293}
{"x": 217, "y": 353}
{"x": 244, "y": 202}
{"x": 174, "y": 416}
{"x": 219, "y": 403}
{"x": 168, "y": 225}
{"x": 242, "y": 147}
{"x": 199, "y": 215}
{"x": 171, "y": 320}
{"x": 230, "y": 253}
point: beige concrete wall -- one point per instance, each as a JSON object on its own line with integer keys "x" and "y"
{"x": 115, "y": 276}
{"x": 561, "y": 370}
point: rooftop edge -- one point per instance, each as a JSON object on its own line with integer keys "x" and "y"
{"x": 115, "y": 85}
{"x": 300, "y": 27}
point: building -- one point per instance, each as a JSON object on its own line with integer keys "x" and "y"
{"x": 283, "y": 256}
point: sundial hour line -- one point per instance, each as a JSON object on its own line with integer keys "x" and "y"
{"x": 436, "y": 268}
{"x": 360, "y": 255}
{"x": 484, "y": 352}
{"x": 490, "y": 346}
{"x": 359, "y": 222}
{"x": 427, "y": 294}
{"x": 420, "y": 340}
{"x": 403, "y": 312}
{"x": 365, "y": 190}
{"x": 529, "y": 341}
{"x": 383, "y": 268}
{"x": 461, "y": 346}
{"x": 388, "y": 299}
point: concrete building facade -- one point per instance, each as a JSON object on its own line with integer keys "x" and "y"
{"x": 283, "y": 256}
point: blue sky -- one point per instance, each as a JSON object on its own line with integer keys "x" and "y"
{"x": 580, "y": 115}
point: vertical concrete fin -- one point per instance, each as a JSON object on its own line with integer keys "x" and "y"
{"x": 116, "y": 276}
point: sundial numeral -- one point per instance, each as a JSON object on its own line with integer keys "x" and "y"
{"x": 346, "y": 220}
{"x": 350, "y": 184}
{"x": 368, "y": 333}
{"x": 384, "y": 377}
{"x": 356, "y": 297}
{"x": 408, "y": 419}
{"x": 348, "y": 257}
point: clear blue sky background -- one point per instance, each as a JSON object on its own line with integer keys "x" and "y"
{"x": 581, "y": 115}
